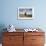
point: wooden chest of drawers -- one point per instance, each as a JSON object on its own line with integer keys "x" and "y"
{"x": 23, "y": 39}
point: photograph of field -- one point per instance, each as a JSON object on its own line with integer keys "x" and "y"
{"x": 25, "y": 13}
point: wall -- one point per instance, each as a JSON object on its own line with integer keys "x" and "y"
{"x": 8, "y": 13}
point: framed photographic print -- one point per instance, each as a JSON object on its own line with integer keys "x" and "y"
{"x": 25, "y": 13}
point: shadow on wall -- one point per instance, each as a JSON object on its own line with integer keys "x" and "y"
{"x": 2, "y": 26}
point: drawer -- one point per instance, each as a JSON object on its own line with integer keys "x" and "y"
{"x": 12, "y": 39}
{"x": 34, "y": 33}
{"x": 12, "y": 44}
{"x": 8, "y": 45}
{"x": 13, "y": 33}
{"x": 7, "y": 39}
{"x": 37, "y": 44}
{"x": 37, "y": 39}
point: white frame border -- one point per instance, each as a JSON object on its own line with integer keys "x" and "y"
{"x": 27, "y": 17}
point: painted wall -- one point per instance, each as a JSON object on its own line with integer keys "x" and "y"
{"x": 9, "y": 13}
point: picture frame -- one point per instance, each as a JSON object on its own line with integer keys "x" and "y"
{"x": 25, "y": 13}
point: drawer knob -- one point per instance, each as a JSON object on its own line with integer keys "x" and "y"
{"x": 33, "y": 39}
{"x": 11, "y": 38}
